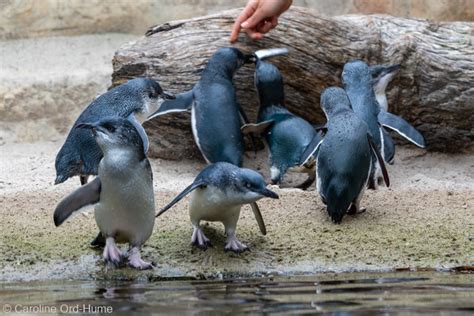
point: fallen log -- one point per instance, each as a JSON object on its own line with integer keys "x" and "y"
{"x": 434, "y": 89}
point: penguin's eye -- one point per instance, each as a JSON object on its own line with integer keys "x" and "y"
{"x": 152, "y": 94}
{"x": 110, "y": 128}
{"x": 247, "y": 185}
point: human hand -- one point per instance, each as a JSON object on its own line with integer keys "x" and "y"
{"x": 259, "y": 17}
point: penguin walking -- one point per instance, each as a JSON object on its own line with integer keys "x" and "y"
{"x": 123, "y": 191}
{"x": 135, "y": 100}
{"x": 381, "y": 76}
{"x": 343, "y": 156}
{"x": 217, "y": 194}
{"x": 286, "y": 134}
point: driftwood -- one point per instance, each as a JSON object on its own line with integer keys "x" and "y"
{"x": 434, "y": 89}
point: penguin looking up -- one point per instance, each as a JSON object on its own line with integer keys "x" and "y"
{"x": 135, "y": 100}
{"x": 343, "y": 156}
{"x": 122, "y": 192}
{"x": 216, "y": 116}
{"x": 381, "y": 76}
{"x": 357, "y": 82}
{"x": 286, "y": 134}
{"x": 218, "y": 193}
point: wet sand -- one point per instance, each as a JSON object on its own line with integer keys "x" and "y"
{"x": 424, "y": 220}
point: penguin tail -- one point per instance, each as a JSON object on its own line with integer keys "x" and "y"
{"x": 337, "y": 203}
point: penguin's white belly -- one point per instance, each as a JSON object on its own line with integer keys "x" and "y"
{"x": 211, "y": 204}
{"x": 126, "y": 210}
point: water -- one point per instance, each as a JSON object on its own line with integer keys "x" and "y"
{"x": 407, "y": 293}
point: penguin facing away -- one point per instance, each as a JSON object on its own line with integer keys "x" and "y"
{"x": 357, "y": 82}
{"x": 217, "y": 194}
{"x": 343, "y": 156}
{"x": 122, "y": 192}
{"x": 135, "y": 100}
{"x": 286, "y": 134}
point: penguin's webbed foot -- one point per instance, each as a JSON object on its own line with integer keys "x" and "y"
{"x": 199, "y": 239}
{"x": 112, "y": 254}
{"x": 234, "y": 245}
{"x": 135, "y": 260}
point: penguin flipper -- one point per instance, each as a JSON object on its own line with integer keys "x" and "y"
{"x": 259, "y": 218}
{"x": 179, "y": 197}
{"x": 141, "y": 131}
{"x": 182, "y": 103}
{"x": 380, "y": 159}
{"x": 388, "y": 147}
{"x": 311, "y": 150}
{"x": 259, "y": 128}
{"x": 86, "y": 195}
{"x": 402, "y": 127}
{"x": 245, "y": 120}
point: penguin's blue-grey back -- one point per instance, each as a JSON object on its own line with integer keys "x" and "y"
{"x": 289, "y": 135}
{"x": 344, "y": 156}
{"x": 269, "y": 83}
{"x": 216, "y": 117}
{"x": 218, "y": 122}
{"x": 288, "y": 138}
{"x": 80, "y": 154}
{"x": 358, "y": 85}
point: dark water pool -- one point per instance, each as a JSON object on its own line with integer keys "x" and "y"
{"x": 336, "y": 294}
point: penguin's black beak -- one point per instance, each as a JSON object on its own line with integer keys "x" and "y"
{"x": 167, "y": 96}
{"x": 250, "y": 59}
{"x": 392, "y": 68}
{"x": 269, "y": 193}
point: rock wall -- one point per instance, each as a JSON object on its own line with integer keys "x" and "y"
{"x": 32, "y": 18}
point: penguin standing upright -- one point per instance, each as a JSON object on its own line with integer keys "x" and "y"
{"x": 123, "y": 191}
{"x": 357, "y": 82}
{"x": 218, "y": 193}
{"x": 343, "y": 156}
{"x": 287, "y": 135}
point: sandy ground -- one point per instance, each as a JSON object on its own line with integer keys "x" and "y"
{"x": 426, "y": 219}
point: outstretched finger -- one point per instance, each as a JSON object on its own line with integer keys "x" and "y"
{"x": 243, "y": 16}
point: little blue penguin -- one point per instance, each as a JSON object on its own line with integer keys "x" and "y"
{"x": 357, "y": 82}
{"x": 343, "y": 156}
{"x": 122, "y": 192}
{"x": 216, "y": 116}
{"x": 381, "y": 76}
{"x": 218, "y": 193}
{"x": 286, "y": 134}
{"x": 134, "y": 100}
